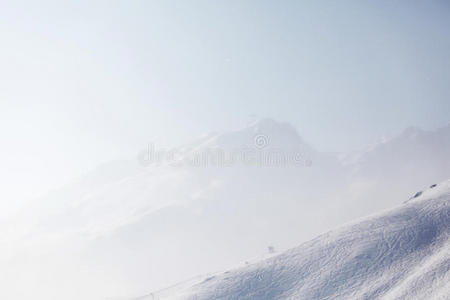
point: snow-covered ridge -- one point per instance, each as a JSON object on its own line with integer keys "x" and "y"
{"x": 403, "y": 253}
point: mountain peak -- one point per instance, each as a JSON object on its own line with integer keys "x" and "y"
{"x": 266, "y": 122}
{"x": 268, "y": 132}
{"x": 271, "y": 124}
{"x": 412, "y": 132}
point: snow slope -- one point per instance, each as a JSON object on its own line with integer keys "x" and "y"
{"x": 403, "y": 253}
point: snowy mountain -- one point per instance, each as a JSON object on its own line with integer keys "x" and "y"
{"x": 403, "y": 253}
{"x": 137, "y": 225}
{"x": 217, "y": 201}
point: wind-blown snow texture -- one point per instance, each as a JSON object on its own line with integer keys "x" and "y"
{"x": 402, "y": 253}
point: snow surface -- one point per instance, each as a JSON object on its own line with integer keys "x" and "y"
{"x": 403, "y": 253}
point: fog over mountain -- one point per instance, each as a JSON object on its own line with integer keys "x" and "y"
{"x": 133, "y": 226}
{"x": 146, "y": 147}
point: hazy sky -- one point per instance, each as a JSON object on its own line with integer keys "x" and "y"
{"x": 87, "y": 81}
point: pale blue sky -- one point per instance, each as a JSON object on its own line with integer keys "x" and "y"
{"x": 87, "y": 81}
